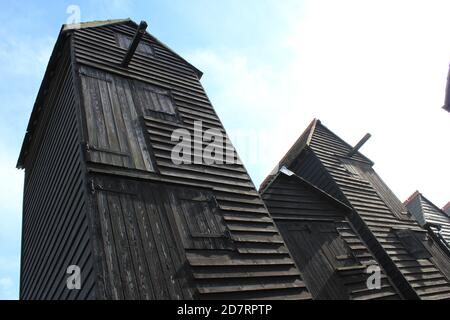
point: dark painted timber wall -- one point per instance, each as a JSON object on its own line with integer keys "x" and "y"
{"x": 155, "y": 230}
{"x": 424, "y": 211}
{"x": 55, "y": 227}
{"x": 411, "y": 257}
{"x": 379, "y": 209}
{"x": 293, "y": 204}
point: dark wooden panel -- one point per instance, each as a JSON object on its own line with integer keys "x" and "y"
{"x": 338, "y": 256}
{"x": 55, "y": 229}
{"x": 308, "y": 249}
{"x": 139, "y": 247}
{"x": 114, "y": 131}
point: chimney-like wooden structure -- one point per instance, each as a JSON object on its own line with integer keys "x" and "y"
{"x": 103, "y": 194}
{"x": 447, "y": 93}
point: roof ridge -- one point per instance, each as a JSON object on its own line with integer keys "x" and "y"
{"x": 292, "y": 153}
{"x": 345, "y": 142}
{"x": 434, "y": 206}
{"x": 446, "y": 207}
{"x": 94, "y": 23}
{"x": 411, "y": 197}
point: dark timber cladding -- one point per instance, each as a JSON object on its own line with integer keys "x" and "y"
{"x": 55, "y": 227}
{"x": 102, "y": 192}
{"x": 331, "y": 256}
{"x": 411, "y": 257}
{"x": 429, "y": 215}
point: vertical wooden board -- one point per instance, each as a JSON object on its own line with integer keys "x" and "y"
{"x": 155, "y": 201}
{"x": 121, "y": 242}
{"x": 196, "y": 223}
{"x": 118, "y": 118}
{"x": 335, "y": 247}
{"x": 138, "y": 130}
{"x": 217, "y": 223}
{"x": 153, "y": 212}
{"x": 129, "y": 117}
{"x": 150, "y": 243}
{"x": 306, "y": 246}
{"x": 154, "y": 105}
{"x": 178, "y": 252}
{"x": 99, "y": 120}
{"x": 180, "y": 220}
{"x": 191, "y": 212}
{"x": 111, "y": 130}
{"x": 112, "y": 258}
{"x": 134, "y": 241}
{"x": 91, "y": 128}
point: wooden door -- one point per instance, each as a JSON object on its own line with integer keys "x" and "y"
{"x": 199, "y": 220}
{"x": 114, "y": 130}
{"x": 316, "y": 250}
{"x": 138, "y": 242}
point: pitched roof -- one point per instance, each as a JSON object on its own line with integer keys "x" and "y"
{"x": 303, "y": 142}
{"x": 427, "y": 212}
{"x": 65, "y": 31}
{"x": 93, "y": 24}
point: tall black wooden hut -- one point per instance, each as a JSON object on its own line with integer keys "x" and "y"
{"x": 331, "y": 205}
{"x": 102, "y": 192}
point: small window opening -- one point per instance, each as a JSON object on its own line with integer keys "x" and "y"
{"x": 124, "y": 42}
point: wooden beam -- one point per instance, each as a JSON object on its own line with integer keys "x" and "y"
{"x": 447, "y": 94}
{"x": 359, "y": 145}
{"x": 140, "y": 31}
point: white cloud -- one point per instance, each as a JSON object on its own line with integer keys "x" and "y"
{"x": 377, "y": 67}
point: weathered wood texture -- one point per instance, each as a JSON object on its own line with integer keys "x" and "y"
{"x": 157, "y": 229}
{"x": 165, "y": 92}
{"x": 331, "y": 256}
{"x": 424, "y": 211}
{"x": 55, "y": 228}
{"x": 377, "y": 213}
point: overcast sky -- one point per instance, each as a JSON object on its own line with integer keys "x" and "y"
{"x": 270, "y": 67}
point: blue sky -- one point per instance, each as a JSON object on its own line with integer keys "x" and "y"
{"x": 269, "y": 68}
